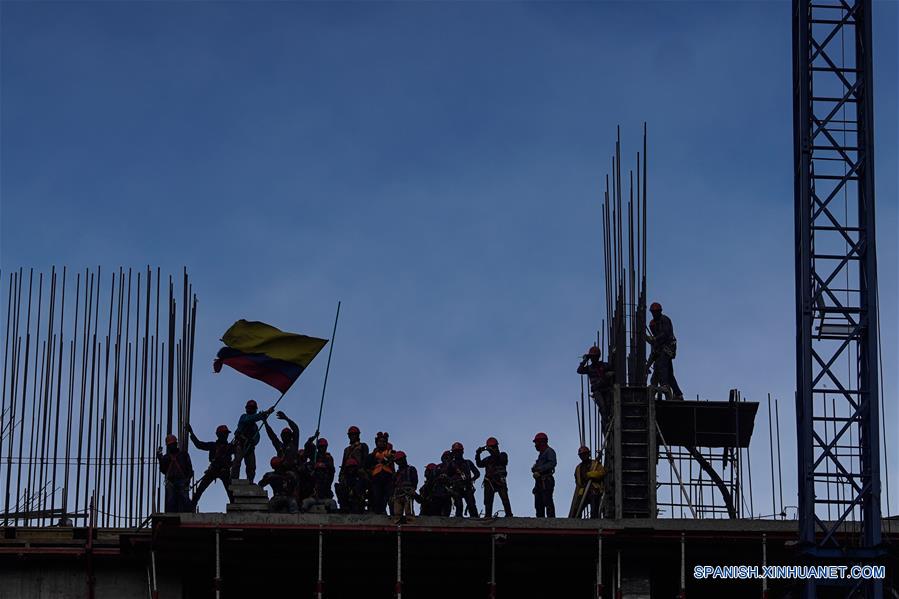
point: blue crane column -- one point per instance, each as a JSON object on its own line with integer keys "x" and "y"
{"x": 836, "y": 286}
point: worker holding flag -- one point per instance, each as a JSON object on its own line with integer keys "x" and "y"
{"x": 272, "y": 356}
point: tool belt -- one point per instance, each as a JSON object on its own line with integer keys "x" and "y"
{"x": 497, "y": 484}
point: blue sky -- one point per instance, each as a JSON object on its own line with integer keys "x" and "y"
{"x": 437, "y": 166}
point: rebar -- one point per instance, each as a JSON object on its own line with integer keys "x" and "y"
{"x": 81, "y": 409}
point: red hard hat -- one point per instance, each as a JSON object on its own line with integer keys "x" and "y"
{"x": 655, "y": 306}
{"x": 252, "y": 404}
{"x": 322, "y": 442}
{"x": 541, "y": 437}
{"x": 457, "y": 446}
{"x": 353, "y": 430}
{"x": 400, "y": 455}
{"x": 287, "y": 431}
{"x": 584, "y": 449}
{"x": 351, "y": 462}
{"x": 593, "y": 351}
{"x": 222, "y": 430}
{"x": 492, "y": 442}
{"x": 276, "y": 461}
{"x": 431, "y": 467}
{"x": 171, "y": 440}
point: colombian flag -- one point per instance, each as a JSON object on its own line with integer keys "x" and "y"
{"x": 268, "y": 354}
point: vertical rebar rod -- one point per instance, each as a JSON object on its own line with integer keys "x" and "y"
{"x": 771, "y": 451}
{"x": 779, "y": 467}
{"x": 170, "y": 369}
{"x": 89, "y": 494}
{"x": 62, "y": 318}
{"x": 73, "y": 347}
{"x": 143, "y": 396}
{"x": 88, "y": 289}
{"x": 24, "y": 390}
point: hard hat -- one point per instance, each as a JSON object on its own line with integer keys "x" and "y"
{"x": 276, "y": 461}
{"x": 400, "y": 455}
{"x": 222, "y": 430}
{"x": 584, "y": 449}
{"x": 457, "y": 446}
{"x": 252, "y": 404}
{"x": 322, "y": 442}
{"x": 656, "y": 306}
{"x": 171, "y": 440}
{"x": 431, "y": 467}
{"x": 593, "y": 351}
{"x": 351, "y": 462}
{"x": 491, "y": 442}
{"x": 353, "y": 430}
{"x": 541, "y": 437}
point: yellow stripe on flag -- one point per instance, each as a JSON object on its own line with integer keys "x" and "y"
{"x": 259, "y": 338}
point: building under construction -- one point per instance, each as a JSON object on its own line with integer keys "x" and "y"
{"x": 97, "y": 372}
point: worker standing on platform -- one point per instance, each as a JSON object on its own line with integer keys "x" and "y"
{"x": 463, "y": 473}
{"x": 442, "y": 492}
{"x": 588, "y": 479}
{"x": 178, "y": 471}
{"x": 358, "y": 452}
{"x": 544, "y": 483}
{"x": 664, "y": 350}
{"x": 425, "y": 495}
{"x": 221, "y": 455}
{"x": 287, "y": 446}
{"x": 246, "y": 437}
{"x": 405, "y": 483}
{"x": 600, "y": 375}
{"x": 495, "y": 466}
{"x": 381, "y": 468}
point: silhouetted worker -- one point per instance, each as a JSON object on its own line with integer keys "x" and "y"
{"x": 351, "y": 488}
{"x": 544, "y": 483}
{"x": 283, "y": 482}
{"x": 425, "y": 495}
{"x": 442, "y": 493}
{"x": 600, "y": 375}
{"x": 246, "y": 437}
{"x": 381, "y": 470}
{"x": 405, "y": 483}
{"x": 356, "y": 450}
{"x": 494, "y": 465}
{"x": 221, "y": 456}
{"x": 178, "y": 471}
{"x": 287, "y": 446}
{"x": 463, "y": 473}
{"x": 323, "y": 478}
{"x": 588, "y": 479}
{"x": 664, "y": 350}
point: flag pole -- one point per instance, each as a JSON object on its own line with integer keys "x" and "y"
{"x": 327, "y": 369}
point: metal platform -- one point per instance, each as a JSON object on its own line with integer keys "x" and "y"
{"x": 706, "y": 423}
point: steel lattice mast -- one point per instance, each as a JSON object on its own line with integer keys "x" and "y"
{"x": 836, "y": 284}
